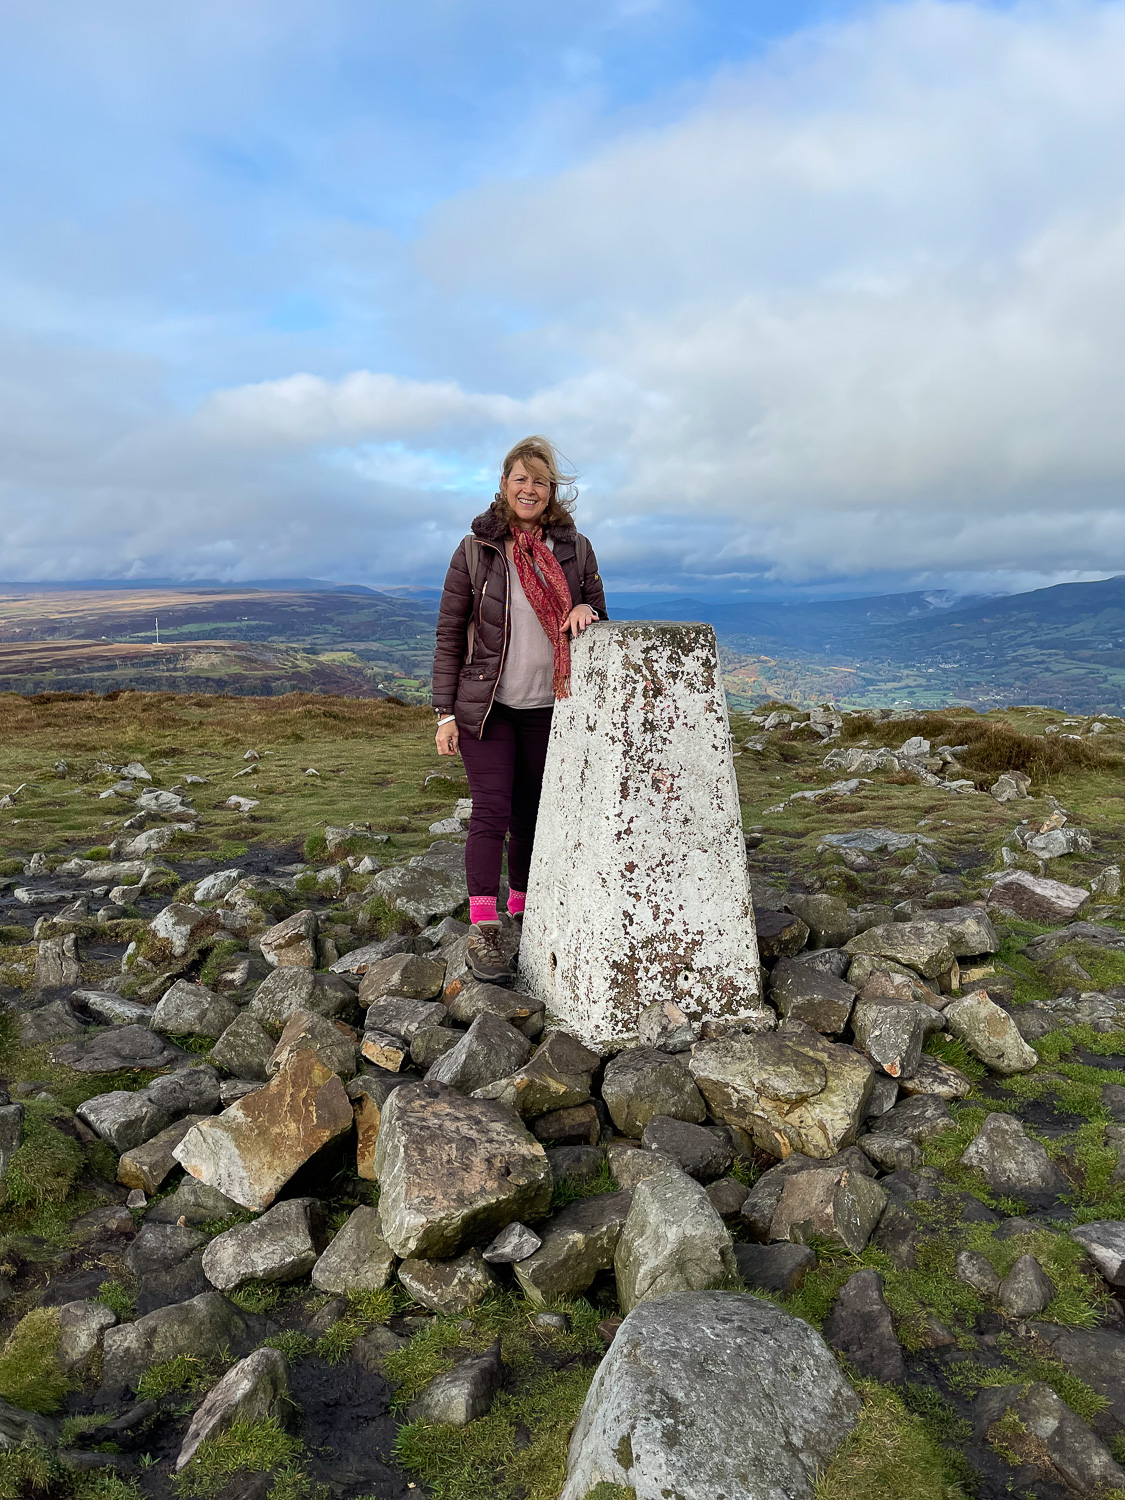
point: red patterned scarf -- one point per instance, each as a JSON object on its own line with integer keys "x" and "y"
{"x": 548, "y": 593}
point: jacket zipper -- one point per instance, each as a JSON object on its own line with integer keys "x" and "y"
{"x": 504, "y": 649}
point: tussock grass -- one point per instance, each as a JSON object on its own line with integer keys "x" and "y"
{"x": 244, "y": 1448}
{"x": 46, "y": 1166}
{"x": 30, "y": 1374}
{"x": 895, "y": 1453}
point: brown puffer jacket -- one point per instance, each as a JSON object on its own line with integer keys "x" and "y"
{"x": 466, "y": 688}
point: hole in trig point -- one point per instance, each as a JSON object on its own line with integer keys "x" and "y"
{"x": 553, "y": 960}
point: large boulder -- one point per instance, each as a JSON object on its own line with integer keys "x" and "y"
{"x": 577, "y": 1243}
{"x": 181, "y": 926}
{"x": 147, "y": 1165}
{"x": 290, "y": 989}
{"x": 921, "y": 946}
{"x": 292, "y": 943}
{"x": 1032, "y": 1422}
{"x": 197, "y": 1328}
{"x": 488, "y": 1051}
{"x": 640, "y": 1083}
{"x": 368, "y": 1093}
{"x": 1104, "y": 1242}
{"x": 422, "y": 890}
{"x": 405, "y": 975}
{"x": 860, "y": 1328}
{"x": 358, "y": 1258}
{"x": 124, "y": 1119}
{"x": 452, "y": 1287}
{"x": 462, "y": 1394}
{"x": 1037, "y": 899}
{"x": 704, "y": 1394}
{"x": 827, "y": 917}
{"x": 188, "y": 1009}
{"x": 130, "y": 1048}
{"x": 990, "y": 1034}
{"x": 703, "y": 1154}
{"x": 253, "y": 1390}
{"x": 280, "y": 1246}
{"x": 245, "y": 1048}
{"x": 332, "y": 1042}
{"x": 1011, "y": 1162}
{"x": 834, "y": 1203}
{"x": 791, "y": 1090}
{"x": 672, "y": 1241}
{"x": 968, "y": 930}
{"x": 251, "y": 1150}
{"x": 557, "y": 1077}
{"x": 803, "y": 992}
{"x": 892, "y": 1034}
{"x": 454, "y": 1170}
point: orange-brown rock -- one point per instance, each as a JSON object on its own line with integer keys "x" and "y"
{"x": 251, "y": 1150}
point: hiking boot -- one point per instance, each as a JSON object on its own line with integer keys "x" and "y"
{"x": 489, "y": 955}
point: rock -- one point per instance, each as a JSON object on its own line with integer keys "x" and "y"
{"x": 804, "y": 993}
{"x": 580, "y": 1125}
{"x": 891, "y": 1035}
{"x": 727, "y": 1196}
{"x": 836, "y": 1203}
{"x": 245, "y": 1047}
{"x": 358, "y": 1258}
{"x": 990, "y": 1034}
{"x": 53, "y": 1022}
{"x": 611, "y": 939}
{"x": 968, "y": 930}
{"x": 147, "y": 1165}
{"x": 1027, "y": 1289}
{"x": 116, "y": 1051}
{"x": 577, "y": 1243}
{"x": 1104, "y": 1242}
{"x": 386, "y": 1051}
{"x": 111, "y": 1009}
{"x": 630, "y": 1165}
{"x": 404, "y": 975}
{"x": 195, "y": 1203}
{"x": 1058, "y": 841}
{"x": 860, "y": 1328}
{"x": 421, "y": 892}
{"x": 884, "y": 1093}
{"x": 932, "y": 1076}
{"x": 251, "y": 1150}
{"x": 776, "y": 1269}
{"x": 828, "y": 919}
{"x": 56, "y": 964}
{"x": 430, "y": 1043}
{"x": 890, "y": 1153}
{"x": 977, "y": 1271}
{"x": 404, "y": 1018}
{"x": 698, "y": 1152}
{"x": 1012, "y": 786}
{"x": 291, "y": 944}
{"x": 453, "y": 1287}
{"x": 467, "y": 998}
{"x": 704, "y": 1394}
{"x": 831, "y": 961}
{"x": 780, "y": 934}
{"x": 1043, "y": 1432}
{"x": 1037, "y": 899}
{"x": 790, "y": 1090}
{"x": 289, "y": 989}
{"x": 124, "y": 1120}
{"x": 462, "y": 1394}
{"x": 251, "y": 1391}
{"x": 453, "y": 1169}
{"x": 81, "y": 1328}
{"x": 1011, "y": 1162}
{"x": 664, "y": 1026}
{"x": 573, "y": 1165}
{"x": 305, "y": 1031}
{"x": 191, "y": 1010}
{"x": 921, "y": 1118}
{"x": 921, "y": 946}
{"x": 190, "y": 1090}
{"x": 280, "y": 1246}
{"x": 672, "y": 1241}
{"x": 368, "y": 1094}
{"x": 516, "y": 1242}
{"x": 11, "y": 1134}
{"x": 359, "y": 960}
{"x": 557, "y": 1077}
{"x": 19, "y": 1428}
{"x": 490, "y": 1050}
{"x": 196, "y": 1328}
{"x": 215, "y": 887}
{"x": 640, "y": 1083}
{"x": 158, "y": 1247}
{"x": 181, "y": 927}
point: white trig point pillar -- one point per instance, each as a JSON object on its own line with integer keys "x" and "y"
{"x": 639, "y": 890}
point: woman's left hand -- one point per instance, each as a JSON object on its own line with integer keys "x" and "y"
{"x": 580, "y": 616}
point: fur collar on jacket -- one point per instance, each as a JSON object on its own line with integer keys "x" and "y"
{"x": 490, "y": 526}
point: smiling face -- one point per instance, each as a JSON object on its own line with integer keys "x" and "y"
{"x": 527, "y": 491}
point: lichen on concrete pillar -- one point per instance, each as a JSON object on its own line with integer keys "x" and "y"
{"x": 639, "y": 888}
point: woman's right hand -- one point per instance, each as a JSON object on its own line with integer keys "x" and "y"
{"x": 447, "y": 738}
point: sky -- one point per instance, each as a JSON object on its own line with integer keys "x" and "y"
{"x": 816, "y": 297}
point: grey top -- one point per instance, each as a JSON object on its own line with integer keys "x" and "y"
{"x": 529, "y": 667}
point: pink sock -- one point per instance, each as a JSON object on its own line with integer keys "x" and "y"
{"x": 517, "y": 900}
{"x": 482, "y": 909}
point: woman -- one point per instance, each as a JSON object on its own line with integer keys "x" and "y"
{"x": 518, "y": 589}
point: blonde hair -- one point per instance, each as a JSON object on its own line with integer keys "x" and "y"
{"x": 540, "y": 455}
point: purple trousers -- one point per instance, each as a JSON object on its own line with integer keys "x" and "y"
{"x": 505, "y": 771}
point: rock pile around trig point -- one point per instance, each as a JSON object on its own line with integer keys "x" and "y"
{"x": 345, "y": 1199}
